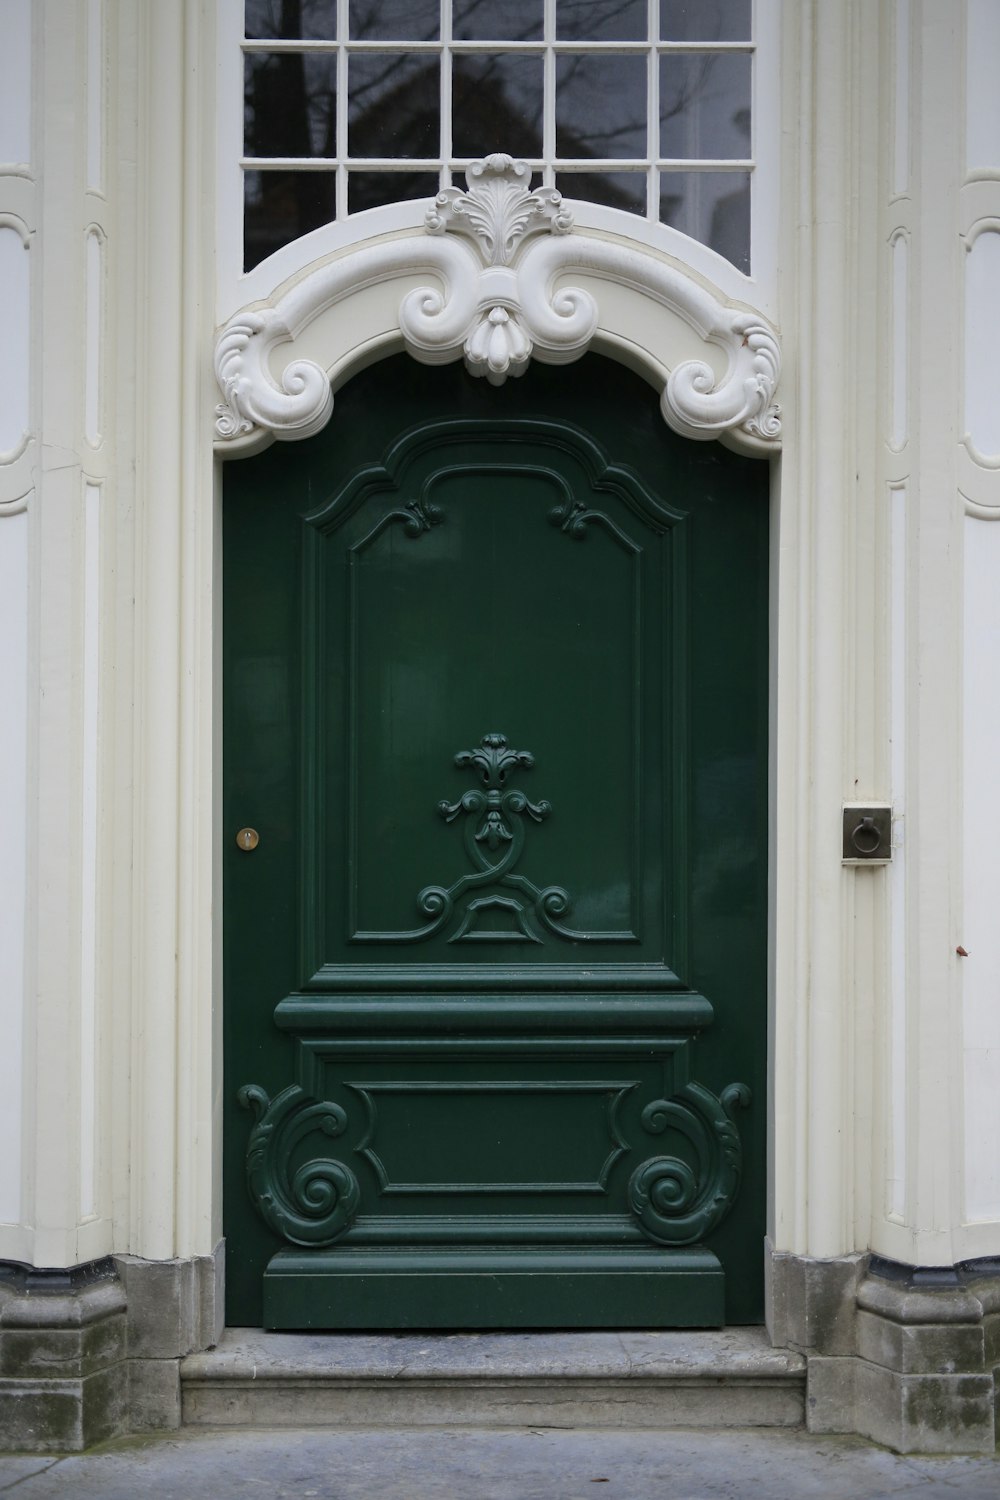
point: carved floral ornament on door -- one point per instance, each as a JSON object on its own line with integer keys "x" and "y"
{"x": 499, "y": 249}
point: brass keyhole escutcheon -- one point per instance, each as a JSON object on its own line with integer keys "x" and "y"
{"x": 248, "y": 838}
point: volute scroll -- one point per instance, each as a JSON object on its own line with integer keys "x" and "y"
{"x": 501, "y": 257}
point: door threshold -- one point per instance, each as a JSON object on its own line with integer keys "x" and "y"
{"x": 728, "y": 1377}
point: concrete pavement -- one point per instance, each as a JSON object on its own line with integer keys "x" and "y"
{"x": 470, "y": 1464}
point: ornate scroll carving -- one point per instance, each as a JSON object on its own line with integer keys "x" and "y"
{"x": 300, "y": 406}
{"x": 677, "y": 1203}
{"x": 495, "y": 815}
{"x": 498, "y": 253}
{"x": 418, "y": 516}
{"x": 694, "y": 403}
{"x": 497, "y": 215}
{"x": 311, "y": 1204}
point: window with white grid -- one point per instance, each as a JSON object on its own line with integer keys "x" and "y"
{"x": 641, "y": 105}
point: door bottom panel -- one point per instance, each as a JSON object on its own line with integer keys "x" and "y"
{"x": 627, "y": 1287}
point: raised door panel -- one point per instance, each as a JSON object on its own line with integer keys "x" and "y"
{"x": 488, "y": 662}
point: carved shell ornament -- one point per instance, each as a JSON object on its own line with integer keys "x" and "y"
{"x": 498, "y": 252}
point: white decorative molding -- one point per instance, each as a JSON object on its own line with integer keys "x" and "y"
{"x": 15, "y": 358}
{"x": 95, "y": 240}
{"x": 899, "y": 322}
{"x": 499, "y": 254}
{"x": 499, "y": 210}
{"x": 14, "y": 819}
{"x": 979, "y": 454}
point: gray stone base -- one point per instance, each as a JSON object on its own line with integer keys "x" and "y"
{"x": 175, "y": 1307}
{"x": 909, "y": 1357}
{"x": 94, "y": 1352}
{"x": 63, "y": 1361}
{"x": 708, "y": 1378}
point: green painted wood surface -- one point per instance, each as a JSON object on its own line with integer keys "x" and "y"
{"x": 495, "y": 692}
{"x": 623, "y": 1287}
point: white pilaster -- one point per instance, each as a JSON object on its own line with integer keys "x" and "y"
{"x": 174, "y": 1205}
{"x": 978, "y": 455}
{"x": 55, "y": 475}
{"x": 917, "y": 1214}
{"x": 18, "y": 205}
{"x": 827, "y": 672}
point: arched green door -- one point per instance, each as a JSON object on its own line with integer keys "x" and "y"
{"x": 495, "y": 707}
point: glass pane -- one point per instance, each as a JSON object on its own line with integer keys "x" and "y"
{"x": 394, "y": 105}
{"x": 484, "y": 20}
{"x": 625, "y": 190}
{"x": 601, "y": 20}
{"x": 600, "y": 105}
{"x": 713, "y": 207}
{"x": 279, "y": 206}
{"x": 496, "y": 104}
{"x": 705, "y": 20}
{"x": 394, "y": 20}
{"x": 705, "y": 104}
{"x": 288, "y": 20}
{"x": 289, "y": 104}
{"x": 373, "y": 189}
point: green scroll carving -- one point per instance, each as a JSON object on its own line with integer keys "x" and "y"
{"x": 314, "y": 1203}
{"x": 677, "y": 1203}
{"x": 417, "y": 516}
{"x": 495, "y": 815}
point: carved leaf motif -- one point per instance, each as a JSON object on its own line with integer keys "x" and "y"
{"x": 493, "y": 760}
{"x": 498, "y": 211}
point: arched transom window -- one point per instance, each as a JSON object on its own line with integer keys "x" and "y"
{"x": 637, "y": 105}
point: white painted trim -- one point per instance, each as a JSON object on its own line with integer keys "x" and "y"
{"x": 901, "y": 99}
{"x": 15, "y": 345}
{"x": 94, "y": 334}
{"x": 980, "y": 932}
{"x": 13, "y": 855}
{"x": 173, "y": 1206}
{"x": 979, "y": 478}
{"x": 95, "y": 95}
{"x": 496, "y": 303}
{"x": 89, "y": 799}
{"x": 895, "y": 1195}
{"x": 899, "y": 246}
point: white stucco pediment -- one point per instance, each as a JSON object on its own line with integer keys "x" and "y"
{"x": 498, "y": 275}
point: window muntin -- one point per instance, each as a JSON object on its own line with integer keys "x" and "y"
{"x": 640, "y": 105}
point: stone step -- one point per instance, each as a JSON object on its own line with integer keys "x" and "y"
{"x": 729, "y": 1378}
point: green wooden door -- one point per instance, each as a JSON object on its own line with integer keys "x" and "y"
{"x": 495, "y": 703}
